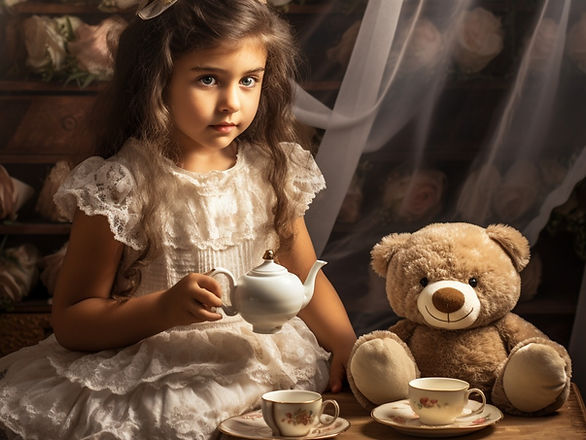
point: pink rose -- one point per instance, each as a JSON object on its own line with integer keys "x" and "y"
{"x": 414, "y": 197}
{"x": 45, "y": 39}
{"x": 425, "y": 47}
{"x": 93, "y": 46}
{"x": 479, "y": 39}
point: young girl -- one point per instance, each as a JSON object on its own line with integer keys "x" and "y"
{"x": 201, "y": 171}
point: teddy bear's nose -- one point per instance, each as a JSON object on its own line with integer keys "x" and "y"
{"x": 448, "y": 300}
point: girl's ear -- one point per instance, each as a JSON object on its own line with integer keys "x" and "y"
{"x": 512, "y": 242}
{"x": 382, "y": 252}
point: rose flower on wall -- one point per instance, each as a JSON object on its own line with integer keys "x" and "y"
{"x": 93, "y": 46}
{"x": 68, "y": 49}
{"x": 479, "y": 39}
{"x": 413, "y": 197}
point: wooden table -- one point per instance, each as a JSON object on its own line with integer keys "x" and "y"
{"x": 568, "y": 423}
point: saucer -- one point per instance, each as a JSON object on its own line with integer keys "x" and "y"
{"x": 252, "y": 426}
{"x": 401, "y": 417}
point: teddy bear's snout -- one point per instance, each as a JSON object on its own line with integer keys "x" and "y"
{"x": 448, "y": 300}
{"x": 449, "y": 304}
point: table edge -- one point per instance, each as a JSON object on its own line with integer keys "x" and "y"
{"x": 579, "y": 399}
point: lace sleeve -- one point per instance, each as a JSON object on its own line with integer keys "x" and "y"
{"x": 104, "y": 187}
{"x": 305, "y": 178}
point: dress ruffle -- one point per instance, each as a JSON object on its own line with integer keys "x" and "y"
{"x": 186, "y": 380}
{"x": 305, "y": 178}
{"x": 104, "y": 187}
{"x": 234, "y": 201}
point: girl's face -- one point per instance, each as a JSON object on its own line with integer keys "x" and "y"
{"x": 214, "y": 94}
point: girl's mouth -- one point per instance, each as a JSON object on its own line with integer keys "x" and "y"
{"x": 224, "y": 128}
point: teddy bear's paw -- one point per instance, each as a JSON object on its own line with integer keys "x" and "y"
{"x": 534, "y": 377}
{"x": 381, "y": 370}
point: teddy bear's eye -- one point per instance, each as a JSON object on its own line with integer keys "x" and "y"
{"x": 423, "y": 281}
{"x": 473, "y": 282}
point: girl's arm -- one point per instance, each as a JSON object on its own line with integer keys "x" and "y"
{"x": 85, "y": 317}
{"x": 325, "y": 314}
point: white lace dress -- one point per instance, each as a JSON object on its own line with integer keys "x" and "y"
{"x": 178, "y": 384}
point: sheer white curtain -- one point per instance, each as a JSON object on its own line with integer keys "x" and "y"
{"x": 456, "y": 110}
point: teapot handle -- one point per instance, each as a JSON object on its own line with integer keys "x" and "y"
{"x": 229, "y": 309}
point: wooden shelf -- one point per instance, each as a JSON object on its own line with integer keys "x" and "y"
{"x": 56, "y": 87}
{"x": 57, "y": 8}
{"x": 37, "y": 7}
{"x": 37, "y": 158}
{"x": 18, "y": 228}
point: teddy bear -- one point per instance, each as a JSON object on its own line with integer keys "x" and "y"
{"x": 454, "y": 286}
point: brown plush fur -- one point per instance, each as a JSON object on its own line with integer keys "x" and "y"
{"x": 488, "y": 259}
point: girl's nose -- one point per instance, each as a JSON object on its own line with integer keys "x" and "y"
{"x": 230, "y": 99}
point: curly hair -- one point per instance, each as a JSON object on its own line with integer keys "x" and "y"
{"x": 134, "y": 103}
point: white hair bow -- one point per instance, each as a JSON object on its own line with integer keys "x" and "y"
{"x": 153, "y": 8}
{"x": 148, "y": 9}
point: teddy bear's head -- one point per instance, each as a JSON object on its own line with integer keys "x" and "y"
{"x": 452, "y": 275}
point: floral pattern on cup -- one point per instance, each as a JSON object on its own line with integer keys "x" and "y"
{"x": 295, "y": 413}
{"x": 427, "y": 402}
{"x": 299, "y": 417}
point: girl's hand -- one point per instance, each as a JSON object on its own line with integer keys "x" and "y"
{"x": 338, "y": 365}
{"x": 193, "y": 299}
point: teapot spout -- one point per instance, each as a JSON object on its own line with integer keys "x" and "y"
{"x": 309, "y": 285}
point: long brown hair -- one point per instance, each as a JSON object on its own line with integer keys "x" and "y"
{"x": 134, "y": 104}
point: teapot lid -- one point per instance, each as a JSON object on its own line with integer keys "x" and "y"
{"x": 268, "y": 266}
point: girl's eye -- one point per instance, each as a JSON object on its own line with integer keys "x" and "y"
{"x": 248, "y": 81}
{"x": 473, "y": 282}
{"x": 207, "y": 80}
{"x": 424, "y": 282}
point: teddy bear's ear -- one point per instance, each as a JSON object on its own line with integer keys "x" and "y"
{"x": 382, "y": 252}
{"x": 513, "y": 242}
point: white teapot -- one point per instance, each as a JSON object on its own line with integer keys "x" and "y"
{"x": 268, "y": 295}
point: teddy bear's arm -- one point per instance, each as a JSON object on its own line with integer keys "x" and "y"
{"x": 514, "y": 329}
{"x": 535, "y": 378}
{"x": 403, "y": 329}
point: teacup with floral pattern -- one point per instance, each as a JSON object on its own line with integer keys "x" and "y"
{"x": 294, "y": 413}
{"x": 440, "y": 400}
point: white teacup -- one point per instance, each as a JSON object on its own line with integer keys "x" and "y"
{"x": 440, "y": 400}
{"x": 293, "y": 413}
